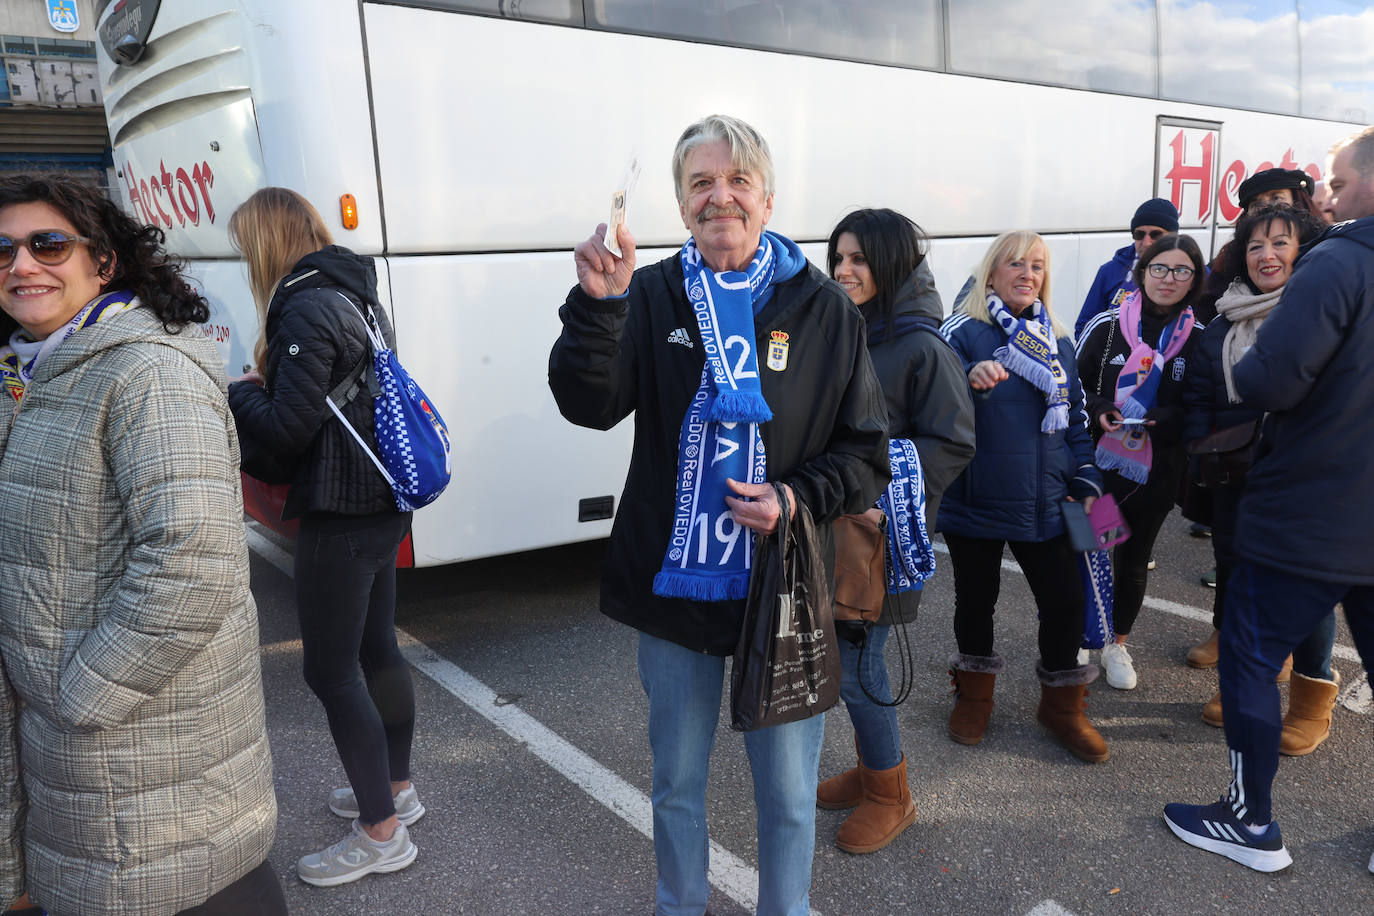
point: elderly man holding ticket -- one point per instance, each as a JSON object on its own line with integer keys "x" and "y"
{"x": 744, "y": 365}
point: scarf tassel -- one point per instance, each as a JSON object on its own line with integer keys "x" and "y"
{"x": 1018, "y": 363}
{"x": 1056, "y": 418}
{"x": 1131, "y": 470}
{"x": 739, "y": 407}
{"x": 696, "y": 586}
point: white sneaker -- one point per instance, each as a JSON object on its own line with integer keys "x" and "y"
{"x": 1084, "y": 657}
{"x": 1117, "y": 663}
{"x": 408, "y": 808}
{"x": 356, "y": 856}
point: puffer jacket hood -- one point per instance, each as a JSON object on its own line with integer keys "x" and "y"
{"x": 336, "y": 266}
{"x": 918, "y": 295}
{"x": 138, "y": 324}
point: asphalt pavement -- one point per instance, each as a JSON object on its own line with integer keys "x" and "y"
{"x": 532, "y": 760}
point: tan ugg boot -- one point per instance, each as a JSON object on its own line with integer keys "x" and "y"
{"x": 1211, "y": 711}
{"x": 973, "y": 678}
{"x": 844, "y": 790}
{"x": 1308, "y": 723}
{"x": 886, "y": 810}
{"x": 1061, "y": 711}
{"x": 1204, "y": 654}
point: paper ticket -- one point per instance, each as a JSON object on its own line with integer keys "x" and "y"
{"x": 619, "y": 203}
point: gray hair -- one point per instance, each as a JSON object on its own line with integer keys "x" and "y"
{"x": 1361, "y": 146}
{"x": 748, "y": 149}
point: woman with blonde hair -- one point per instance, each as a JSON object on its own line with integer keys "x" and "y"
{"x": 311, "y": 295}
{"x": 1033, "y": 453}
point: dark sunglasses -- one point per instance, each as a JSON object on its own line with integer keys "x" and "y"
{"x": 1154, "y": 234}
{"x": 48, "y": 247}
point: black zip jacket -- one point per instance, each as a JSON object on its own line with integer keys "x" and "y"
{"x": 314, "y": 341}
{"x": 827, "y": 438}
{"x": 928, "y": 401}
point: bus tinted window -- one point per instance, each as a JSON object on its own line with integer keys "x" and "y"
{"x": 1238, "y": 53}
{"x": 1337, "y": 65}
{"x": 566, "y": 12}
{"x": 903, "y": 32}
{"x": 1084, "y": 44}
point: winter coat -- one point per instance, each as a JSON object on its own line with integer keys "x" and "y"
{"x": 315, "y": 340}
{"x": 1102, "y": 351}
{"x": 1110, "y": 288}
{"x": 928, "y": 401}
{"x": 643, "y": 354}
{"x": 1310, "y": 493}
{"x": 127, "y": 627}
{"x": 1013, "y": 488}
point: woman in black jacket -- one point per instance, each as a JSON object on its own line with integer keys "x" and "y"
{"x": 879, "y": 257}
{"x": 1132, "y": 361}
{"x": 1268, "y": 238}
{"x": 309, "y": 294}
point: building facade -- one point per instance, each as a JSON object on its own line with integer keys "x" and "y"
{"x": 51, "y": 117}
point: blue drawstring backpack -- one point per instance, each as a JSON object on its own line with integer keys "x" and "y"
{"x": 411, "y": 436}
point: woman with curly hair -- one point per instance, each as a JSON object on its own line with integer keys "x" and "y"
{"x": 131, "y": 710}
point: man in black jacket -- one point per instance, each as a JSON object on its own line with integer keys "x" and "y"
{"x": 632, "y": 342}
{"x": 1302, "y": 531}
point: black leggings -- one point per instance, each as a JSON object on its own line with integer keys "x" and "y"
{"x": 258, "y": 892}
{"x": 1051, "y": 570}
{"x": 1144, "y": 508}
{"x": 346, "y": 601}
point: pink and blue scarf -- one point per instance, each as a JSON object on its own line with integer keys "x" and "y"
{"x": 1033, "y": 354}
{"x": 1127, "y": 450}
{"x": 709, "y": 554}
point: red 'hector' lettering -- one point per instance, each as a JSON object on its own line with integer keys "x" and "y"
{"x": 187, "y": 194}
{"x": 1181, "y": 174}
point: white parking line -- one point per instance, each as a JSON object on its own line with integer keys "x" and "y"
{"x": 1049, "y": 908}
{"x": 729, "y": 873}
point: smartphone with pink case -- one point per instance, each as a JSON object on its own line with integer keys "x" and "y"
{"x": 1108, "y": 525}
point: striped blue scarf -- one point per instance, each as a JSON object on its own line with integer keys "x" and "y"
{"x": 910, "y": 556}
{"x": 709, "y": 554}
{"x": 1033, "y": 354}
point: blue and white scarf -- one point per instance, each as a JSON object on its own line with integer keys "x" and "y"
{"x": 1033, "y": 354}
{"x": 910, "y": 556}
{"x": 22, "y": 355}
{"x": 1095, "y": 572}
{"x": 709, "y": 554}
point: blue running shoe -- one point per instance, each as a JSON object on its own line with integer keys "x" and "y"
{"x": 1216, "y": 828}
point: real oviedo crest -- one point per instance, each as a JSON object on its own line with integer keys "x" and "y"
{"x": 63, "y": 15}
{"x": 777, "y": 351}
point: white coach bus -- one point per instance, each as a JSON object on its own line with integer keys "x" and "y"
{"x": 480, "y": 140}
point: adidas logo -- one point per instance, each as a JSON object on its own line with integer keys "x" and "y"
{"x": 680, "y": 336}
{"x": 1118, "y": 360}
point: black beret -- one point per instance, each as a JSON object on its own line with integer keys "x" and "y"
{"x": 1273, "y": 180}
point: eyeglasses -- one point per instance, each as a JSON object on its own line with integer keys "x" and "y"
{"x": 1160, "y": 271}
{"x": 48, "y": 247}
{"x": 1154, "y": 234}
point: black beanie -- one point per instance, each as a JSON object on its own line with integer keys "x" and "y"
{"x": 1272, "y": 180}
{"x": 1156, "y": 212}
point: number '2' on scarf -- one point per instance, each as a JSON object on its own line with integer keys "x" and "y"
{"x": 709, "y": 554}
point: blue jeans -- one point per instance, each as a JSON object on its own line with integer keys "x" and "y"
{"x": 684, "y": 690}
{"x": 875, "y": 726}
{"x": 1268, "y": 613}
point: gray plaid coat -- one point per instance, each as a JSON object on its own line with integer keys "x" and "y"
{"x": 127, "y": 630}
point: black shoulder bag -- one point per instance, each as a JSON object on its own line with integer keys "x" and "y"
{"x": 787, "y": 666}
